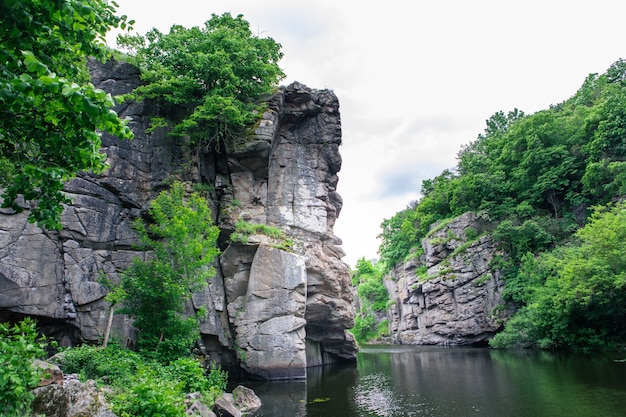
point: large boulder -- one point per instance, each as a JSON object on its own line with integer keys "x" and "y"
{"x": 72, "y": 399}
{"x": 269, "y": 319}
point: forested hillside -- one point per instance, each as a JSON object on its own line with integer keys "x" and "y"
{"x": 550, "y": 183}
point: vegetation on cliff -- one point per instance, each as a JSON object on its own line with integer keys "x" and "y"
{"x": 206, "y": 81}
{"x": 373, "y": 299}
{"x": 51, "y": 116}
{"x": 182, "y": 240}
{"x": 538, "y": 177}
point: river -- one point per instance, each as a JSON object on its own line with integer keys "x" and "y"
{"x": 399, "y": 381}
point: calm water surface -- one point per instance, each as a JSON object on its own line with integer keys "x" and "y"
{"x": 399, "y": 381}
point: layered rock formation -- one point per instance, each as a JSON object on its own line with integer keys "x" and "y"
{"x": 449, "y": 295}
{"x": 271, "y": 311}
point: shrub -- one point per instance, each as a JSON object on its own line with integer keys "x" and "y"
{"x": 141, "y": 386}
{"x": 19, "y": 347}
{"x": 113, "y": 364}
{"x": 150, "y": 396}
{"x": 470, "y": 233}
{"x": 383, "y": 328}
{"x": 364, "y": 327}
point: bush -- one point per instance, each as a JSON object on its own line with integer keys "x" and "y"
{"x": 19, "y": 347}
{"x": 364, "y": 327}
{"x": 112, "y": 365}
{"x": 383, "y": 328}
{"x": 141, "y": 386}
{"x": 470, "y": 233}
{"x": 150, "y": 396}
{"x": 573, "y": 297}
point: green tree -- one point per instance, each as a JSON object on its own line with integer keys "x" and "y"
{"x": 115, "y": 296}
{"x": 211, "y": 76}
{"x": 574, "y": 297}
{"x": 50, "y": 115}
{"x": 373, "y": 296}
{"x": 182, "y": 240}
{"x": 395, "y": 244}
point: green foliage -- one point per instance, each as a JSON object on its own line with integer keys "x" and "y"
{"x": 422, "y": 272}
{"x": 373, "y": 296}
{"x": 370, "y": 287}
{"x": 150, "y": 396}
{"x": 574, "y": 297}
{"x": 51, "y": 117}
{"x": 140, "y": 386}
{"x": 383, "y": 328}
{"x": 518, "y": 240}
{"x": 536, "y": 176}
{"x": 214, "y": 73}
{"x": 218, "y": 378}
{"x": 194, "y": 378}
{"x": 245, "y": 229}
{"x": 398, "y": 237}
{"x": 182, "y": 240}
{"x": 363, "y": 267}
{"x": 19, "y": 347}
{"x": 111, "y": 365}
{"x": 470, "y": 234}
{"x": 373, "y": 290}
{"x": 365, "y": 328}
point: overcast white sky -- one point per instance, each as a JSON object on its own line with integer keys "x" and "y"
{"x": 416, "y": 79}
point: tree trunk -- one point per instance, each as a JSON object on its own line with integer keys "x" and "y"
{"x": 107, "y": 331}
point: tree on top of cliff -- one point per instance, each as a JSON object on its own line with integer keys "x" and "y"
{"x": 214, "y": 74}
{"x": 537, "y": 177}
{"x": 547, "y": 168}
{"x": 50, "y": 115}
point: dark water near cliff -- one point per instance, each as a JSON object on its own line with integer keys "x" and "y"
{"x": 399, "y": 381}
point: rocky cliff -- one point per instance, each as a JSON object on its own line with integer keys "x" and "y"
{"x": 271, "y": 312}
{"x": 448, "y": 295}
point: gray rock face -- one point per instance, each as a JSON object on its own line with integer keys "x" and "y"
{"x": 285, "y": 176}
{"x": 72, "y": 399}
{"x": 269, "y": 318}
{"x": 457, "y": 300}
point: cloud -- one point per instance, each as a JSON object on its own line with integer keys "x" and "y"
{"x": 416, "y": 80}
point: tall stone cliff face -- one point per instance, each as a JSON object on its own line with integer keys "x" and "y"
{"x": 449, "y": 295}
{"x": 271, "y": 312}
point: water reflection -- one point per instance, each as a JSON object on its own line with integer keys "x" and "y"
{"x": 399, "y": 381}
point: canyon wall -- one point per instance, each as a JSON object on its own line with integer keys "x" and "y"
{"x": 271, "y": 312}
{"x": 449, "y": 294}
